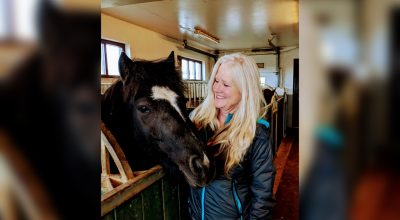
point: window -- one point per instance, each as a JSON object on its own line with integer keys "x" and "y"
{"x": 110, "y": 52}
{"x": 269, "y": 79}
{"x": 17, "y": 20}
{"x": 262, "y": 80}
{"x": 191, "y": 69}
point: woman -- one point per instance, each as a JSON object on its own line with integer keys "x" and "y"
{"x": 230, "y": 119}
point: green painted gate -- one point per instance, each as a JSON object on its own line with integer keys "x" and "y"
{"x": 155, "y": 198}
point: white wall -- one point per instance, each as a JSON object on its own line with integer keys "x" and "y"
{"x": 144, "y": 43}
{"x": 287, "y": 68}
{"x": 268, "y": 60}
{"x": 286, "y": 64}
{"x": 287, "y": 61}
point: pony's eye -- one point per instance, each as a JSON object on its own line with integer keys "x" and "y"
{"x": 143, "y": 109}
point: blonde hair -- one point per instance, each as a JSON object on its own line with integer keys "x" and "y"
{"x": 236, "y": 136}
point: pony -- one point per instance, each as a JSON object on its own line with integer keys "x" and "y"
{"x": 146, "y": 112}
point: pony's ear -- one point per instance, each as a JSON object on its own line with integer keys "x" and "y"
{"x": 48, "y": 20}
{"x": 125, "y": 65}
{"x": 171, "y": 58}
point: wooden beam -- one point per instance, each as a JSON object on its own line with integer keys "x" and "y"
{"x": 106, "y": 184}
{"x": 105, "y": 160}
{"x": 116, "y": 153}
{"x": 126, "y": 191}
{"x": 116, "y": 180}
{"x": 115, "y": 3}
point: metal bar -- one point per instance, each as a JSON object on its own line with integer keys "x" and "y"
{"x": 186, "y": 46}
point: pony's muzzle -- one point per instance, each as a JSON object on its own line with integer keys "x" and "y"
{"x": 199, "y": 167}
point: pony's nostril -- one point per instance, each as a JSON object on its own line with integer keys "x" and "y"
{"x": 200, "y": 167}
{"x": 196, "y": 164}
{"x": 192, "y": 160}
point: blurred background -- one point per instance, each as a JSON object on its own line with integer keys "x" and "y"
{"x": 49, "y": 117}
{"x": 49, "y": 93}
{"x": 349, "y": 80}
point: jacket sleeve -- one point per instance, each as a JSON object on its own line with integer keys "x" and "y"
{"x": 263, "y": 175}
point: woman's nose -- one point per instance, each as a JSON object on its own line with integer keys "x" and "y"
{"x": 217, "y": 87}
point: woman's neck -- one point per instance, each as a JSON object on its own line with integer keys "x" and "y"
{"x": 222, "y": 115}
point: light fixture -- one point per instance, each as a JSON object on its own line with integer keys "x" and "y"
{"x": 204, "y": 34}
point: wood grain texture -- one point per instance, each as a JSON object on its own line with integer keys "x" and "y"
{"x": 109, "y": 141}
{"x": 134, "y": 186}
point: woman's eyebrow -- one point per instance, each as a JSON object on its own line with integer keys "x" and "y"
{"x": 226, "y": 82}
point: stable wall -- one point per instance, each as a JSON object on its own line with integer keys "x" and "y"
{"x": 146, "y": 44}
{"x": 287, "y": 62}
{"x": 286, "y": 78}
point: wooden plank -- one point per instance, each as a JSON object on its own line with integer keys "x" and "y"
{"x": 116, "y": 3}
{"x": 106, "y": 184}
{"x": 121, "y": 156}
{"x": 152, "y": 202}
{"x": 116, "y": 179}
{"x": 105, "y": 160}
{"x": 140, "y": 172}
{"x": 170, "y": 198}
{"x": 116, "y": 152}
{"x": 21, "y": 194}
{"x": 131, "y": 209}
{"x": 109, "y": 216}
{"x": 124, "y": 192}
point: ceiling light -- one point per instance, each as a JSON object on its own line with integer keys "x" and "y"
{"x": 204, "y": 34}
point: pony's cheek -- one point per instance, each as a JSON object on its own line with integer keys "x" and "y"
{"x": 145, "y": 118}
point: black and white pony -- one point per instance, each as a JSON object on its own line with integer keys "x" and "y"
{"x": 146, "y": 112}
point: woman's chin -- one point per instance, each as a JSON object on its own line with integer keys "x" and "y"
{"x": 219, "y": 105}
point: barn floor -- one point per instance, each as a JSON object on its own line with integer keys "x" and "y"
{"x": 287, "y": 194}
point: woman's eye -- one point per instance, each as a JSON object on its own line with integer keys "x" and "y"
{"x": 226, "y": 85}
{"x": 143, "y": 109}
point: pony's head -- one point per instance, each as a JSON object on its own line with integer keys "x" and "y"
{"x": 153, "y": 92}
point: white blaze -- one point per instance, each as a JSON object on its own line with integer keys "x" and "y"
{"x": 161, "y": 92}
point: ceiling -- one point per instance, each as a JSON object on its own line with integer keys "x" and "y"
{"x": 238, "y": 24}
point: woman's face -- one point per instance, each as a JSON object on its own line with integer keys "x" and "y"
{"x": 226, "y": 94}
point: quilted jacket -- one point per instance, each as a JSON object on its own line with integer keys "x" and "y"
{"x": 247, "y": 194}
